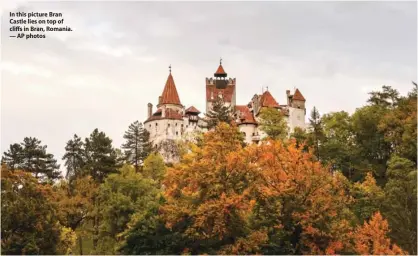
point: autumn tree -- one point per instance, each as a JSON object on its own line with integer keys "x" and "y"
{"x": 371, "y": 238}
{"x": 75, "y": 204}
{"x": 29, "y": 221}
{"x": 74, "y": 157}
{"x": 300, "y": 203}
{"x": 137, "y": 146}
{"x": 399, "y": 127}
{"x": 219, "y": 112}
{"x": 368, "y": 198}
{"x": 31, "y": 156}
{"x": 273, "y": 123}
{"x": 207, "y": 200}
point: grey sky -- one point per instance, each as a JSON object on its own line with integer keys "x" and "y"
{"x": 104, "y": 73}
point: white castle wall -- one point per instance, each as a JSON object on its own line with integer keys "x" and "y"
{"x": 296, "y": 119}
{"x": 249, "y": 130}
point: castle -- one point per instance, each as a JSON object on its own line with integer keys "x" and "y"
{"x": 172, "y": 121}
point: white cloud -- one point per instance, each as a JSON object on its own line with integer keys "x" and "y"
{"x": 25, "y": 69}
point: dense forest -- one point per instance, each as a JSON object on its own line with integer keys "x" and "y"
{"x": 346, "y": 185}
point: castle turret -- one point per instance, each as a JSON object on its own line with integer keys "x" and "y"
{"x": 220, "y": 86}
{"x": 149, "y": 110}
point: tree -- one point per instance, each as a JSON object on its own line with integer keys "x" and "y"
{"x": 14, "y": 156}
{"x": 400, "y": 202}
{"x": 32, "y": 157}
{"x": 337, "y": 144}
{"x": 138, "y": 145}
{"x": 75, "y": 204}
{"x": 219, "y": 112}
{"x": 371, "y": 238}
{"x": 273, "y": 123}
{"x": 368, "y": 198}
{"x": 387, "y": 98}
{"x": 121, "y": 196}
{"x": 300, "y": 136}
{"x": 207, "y": 201}
{"x": 399, "y": 127}
{"x": 316, "y": 133}
{"x": 154, "y": 167}
{"x": 372, "y": 150}
{"x": 29, "y": 221}
{"x": 74, "y": 157}
{"x": 101, "y": 157}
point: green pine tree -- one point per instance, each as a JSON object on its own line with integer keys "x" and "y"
{"x": 218, "y": 113}
{"x": 137, "y": 146}
{"x": 74, "y": 157}
{"x": 31, "y": 156}
{"x": 101, "y": 157}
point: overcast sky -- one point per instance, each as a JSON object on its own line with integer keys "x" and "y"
{"x": 103, "y": 74}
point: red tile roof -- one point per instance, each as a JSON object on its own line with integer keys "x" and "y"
{"x": 192, "y": 110}
{"x": 169, "y": 114}
{"x": 267, "y": 100}
{"x": 170, "y": 95}
{"x": 227, "y": 93}
{"x": 220, "y": 70}
{"x": 298, "y": 96}
{"x": 246, "y": 117}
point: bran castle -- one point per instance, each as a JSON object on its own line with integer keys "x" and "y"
{"x": 172, "y": 121}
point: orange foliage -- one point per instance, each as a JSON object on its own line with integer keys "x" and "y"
{"x": 371, "y": 238}
{"x": 216, "y": 187}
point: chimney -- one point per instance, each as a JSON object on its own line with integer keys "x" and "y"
{"x": 288, "y": 97}
{"x": 159, "y": 100}
{"x": 149, "y": 110}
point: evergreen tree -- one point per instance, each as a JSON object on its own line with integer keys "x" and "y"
{"x": 74, "y": 157}
{"x": 138, "y": 145}
{"x": 317, "y": 131}
{"x": 14, "y": 157}
{"x": 218, "y": 113}
{"x": 32, "y": 157}
{"x": 101, "y": 157}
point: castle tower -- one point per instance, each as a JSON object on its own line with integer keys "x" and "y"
{"x": 220, "y": 86}
{"x": 297, "y": 110}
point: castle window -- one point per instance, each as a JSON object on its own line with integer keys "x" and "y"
{"x": 168, "y": 125}
{"x": 177, "y": 133}
{"x": 176, "y": 124}
{"x": 187, "y": 126}
{"x": 150, "y": 126}
{"x": 156, "y": 124}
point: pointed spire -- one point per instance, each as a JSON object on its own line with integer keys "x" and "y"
{"x": 170, "y": 95}
{"x": 220, "y": 72}
{"x": 267, "y": 100}
{"x": 298, "y": 96}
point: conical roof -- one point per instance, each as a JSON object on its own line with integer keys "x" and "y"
{"x": 298, "y": 96}
{"x": 170, "y": 95}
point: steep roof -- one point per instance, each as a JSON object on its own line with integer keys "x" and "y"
{"x": 267, "y": 100}
{"x": 192, "y": 109}
{"x": 246, "y": 116}
{"x": 298, "y": 96}
{"x": 169, "y": 114}
{"x": 170, "y": 95}
{"x": 220, "y": 70}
